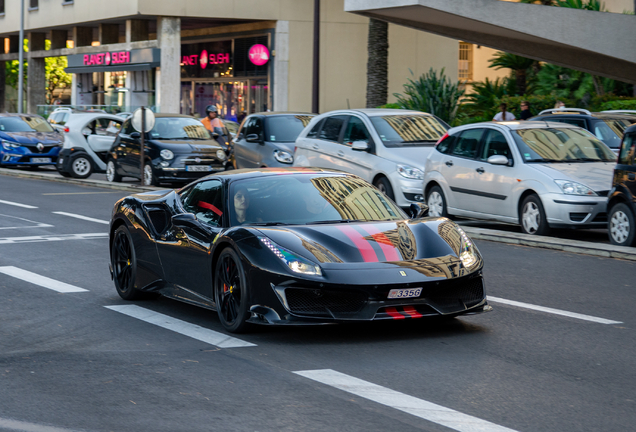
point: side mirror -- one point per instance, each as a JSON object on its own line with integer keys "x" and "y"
{"x": 418, "y": 210}
{"x": 253, "y": 138}
{"x": 360, "y": 146}
{"x": 498, "y": 160}
{"x": 183, "y": 218}
{"x": 135, "y": 135}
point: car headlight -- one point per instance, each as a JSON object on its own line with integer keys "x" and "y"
{"x": 8, "y": 145}
{"x": 294, "y": 262}
{"x": 166, "y": 154}
{"x": 220, "y": 154}
{"x": 467, "y": 253}
{"x": 283, "y": 156}
{"x": 573, "y": 188}
{"x": 410, "y": 172}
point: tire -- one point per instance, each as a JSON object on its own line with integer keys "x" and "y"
{"x": 532, "y": 216}
{"x": 111, "y": 172}
{"x": 63, "y": 173}
{"x": 149, "y": 175}
{"x": 620, "y": 225}
{"x": 124, "y": 262}
{"x": 231, "y": 303}
{"x": 436, "y": 202}
{"x": 384, "y": 186}
{"x": 81, "y": 166}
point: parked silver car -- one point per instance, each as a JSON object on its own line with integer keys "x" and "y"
{"x": 536, "y": 174}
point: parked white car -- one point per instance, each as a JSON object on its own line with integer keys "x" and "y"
{"x": 87, "y": 140}
{"x": 386, "y": 147}
{"x": 535, "y": 174}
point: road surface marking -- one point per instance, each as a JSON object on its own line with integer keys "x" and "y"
{"x": 418, "y": 407}
{"x": 86, "y": 218}
{"x": 17, "y": 204}
{"x": 37, "y": 224}
{"x": 16, "y": 425}
{"x": 553, "y": 311}
{"x": 43, "y": 281}
{"x": 48, "y": 238}
{"x": 194, "y": 331}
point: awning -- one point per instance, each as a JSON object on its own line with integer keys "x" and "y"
{"x": 118, "y": 68}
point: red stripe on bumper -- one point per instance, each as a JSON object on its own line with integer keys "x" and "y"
{"x": 394, "y": 313}
{"x": 412, "y": 312}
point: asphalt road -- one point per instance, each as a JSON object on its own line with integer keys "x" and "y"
{"x": 68, "y": 362}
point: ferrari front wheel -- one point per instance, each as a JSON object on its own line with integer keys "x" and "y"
{"x": 230, "y": 292}
{"x": 124, "y": 261}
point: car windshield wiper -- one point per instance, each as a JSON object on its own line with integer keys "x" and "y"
{"x": 268, "y": 223}
{"x": 335, "y": 221}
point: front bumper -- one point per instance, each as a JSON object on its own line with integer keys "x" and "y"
{"x": 178, "y": 170}
{"x": 575, "y": 211}
{"x": 406, "y": 191}
{"x": 23, "y": 156}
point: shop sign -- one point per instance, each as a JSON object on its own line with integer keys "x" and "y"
{"x": 107, "y": 59}
{"x": 204, "y": 59}
{"x": 258, "y": 54}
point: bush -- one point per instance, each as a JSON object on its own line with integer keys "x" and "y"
{"x": 390, "y": 106}
{"x": 613, "y": 103}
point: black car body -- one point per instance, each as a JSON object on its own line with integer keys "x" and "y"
{"x": 177, "y": 149}
{"x": 621, "y": 206}
{"x": 28, "y": 140}
{"x": 181, "y": 244}
{"x": 608, "y": 127}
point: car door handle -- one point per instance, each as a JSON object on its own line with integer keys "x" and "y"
{"x": 340, "y": 153}
{"x": 316, "y": 146}
{"x": 631, "y": 176}
{"x": 449, "y": 163}
{"x": 480, "y": 170}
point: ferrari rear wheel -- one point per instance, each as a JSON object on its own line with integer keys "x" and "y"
{"x": 230, "y": 292}
{"x": 124, "y": 261}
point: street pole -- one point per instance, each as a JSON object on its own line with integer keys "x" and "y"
{"x": 143, "y": 132}
{"x": 21, "y": 60}
{"x": 315, "y": 94}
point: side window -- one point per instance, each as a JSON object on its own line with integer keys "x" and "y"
{"x": 254, "y": 126}
{"x": 468, "y": 143}
{"x": 446, "y": 144}
{"x": 331, "y": 129}
{"x": 628, "y": 148}
{"x": 205, "y": 200}
{"x": 574, "y": 122}
{"x": 313, "y": 133}
{"x": 355, "y": 131}
{"x": 495, "y": 144}
{"x": 127, "y": 128}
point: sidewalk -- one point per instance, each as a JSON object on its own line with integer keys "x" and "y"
{"x": 565, "y": 245}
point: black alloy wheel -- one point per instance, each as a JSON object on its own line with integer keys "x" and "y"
{"x": 532, "y": 217}
{"x": 384, "y": 186}
{"x": 230, "y": 292}
{"x": 124, "y": 262}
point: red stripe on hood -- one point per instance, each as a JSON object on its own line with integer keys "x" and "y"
{"x": 365, "y": 248}
{"x": 388, "y": 249}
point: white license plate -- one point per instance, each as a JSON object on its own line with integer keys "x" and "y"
{"x": 198, "y": 168}
{"x": 405, "y": 293}
{"x": 41, "y": 160}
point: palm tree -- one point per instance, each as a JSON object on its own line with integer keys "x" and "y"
{"x": 518, "y": 64}
{"x": 377, "y": 65}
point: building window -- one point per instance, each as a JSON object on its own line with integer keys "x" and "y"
{"x": 33, "y": 4}
{"x": 465, "y": 61}
{"x": 2, "y": 7}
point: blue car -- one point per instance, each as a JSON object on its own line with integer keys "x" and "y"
{"x": 28, "y": 140}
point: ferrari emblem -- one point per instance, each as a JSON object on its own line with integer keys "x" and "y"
{"x": 40, "y": 146}
{"x": 402, "y": 272}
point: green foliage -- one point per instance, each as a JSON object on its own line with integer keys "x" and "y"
{"x": 510, "y": 61}
{"x": 431, "y": 94}
{"x": 481, "y": 101}
{"x": 593, "y": 5}
{"x": 537, "y": 103}
{"x": 390, "y": 106}
{"x": 617, "y": 104}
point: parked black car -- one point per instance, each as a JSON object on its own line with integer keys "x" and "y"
{"x": 178, "y": 149}
{"x": 606, "y": 126}
{"x": 621, "y": 206}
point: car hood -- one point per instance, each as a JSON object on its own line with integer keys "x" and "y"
{"x": 32, "y": 137}
{"x": 596, "y": 175}
{"x": 412, "y": 156}
{"x": 188, "y": 147}
{"x": 407, "y": 243}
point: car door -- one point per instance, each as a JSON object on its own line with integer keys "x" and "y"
{"x": 102, "y": 134}
{"x": 323, "y": 149}
{"x": 460, "y": 170}
{"x": 184, "y": 247}
{"x": 249, "y": 154}
{"x": 360, "y": 163}
{"x": 123, "y": 147}
{"x": 494, "y": 183}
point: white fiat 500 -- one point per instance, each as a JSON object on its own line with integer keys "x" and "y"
{"x": 535, "y": 174}
{"x": 386, "y": 147}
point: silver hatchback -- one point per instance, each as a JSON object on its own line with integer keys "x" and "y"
{"x": 535, "y": 174}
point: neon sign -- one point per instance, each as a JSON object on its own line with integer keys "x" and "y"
{"x": 204, "y": 59}
{"x": 108, "y": 58}
{"x": 258, "y": 54}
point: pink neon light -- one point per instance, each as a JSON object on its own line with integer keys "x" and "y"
{"x": 258, "y": 54}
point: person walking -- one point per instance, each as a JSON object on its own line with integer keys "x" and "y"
{"x": 212, "y": 119}
{"x": 504, "y": 115}
{"x": 525, "y": 111}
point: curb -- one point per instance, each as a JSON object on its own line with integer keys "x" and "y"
{"x": 564, "y": 245}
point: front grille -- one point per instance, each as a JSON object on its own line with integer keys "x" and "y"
{"x": 456, "y": 295}
{"x": 578, "y": 217}
{"x": 316, "y": 302}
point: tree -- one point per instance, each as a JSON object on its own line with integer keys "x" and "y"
{"x": 518, "y": 64}
{"x": 377, "y": 64}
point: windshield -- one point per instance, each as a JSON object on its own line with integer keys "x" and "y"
{"x": 409, "y": 129}
{"x": 308, "y": 199}
{"x": 285, "y": 128}
{"x": 561, "y": 145}
{"x": 24, "y": 124}
{"x": 176, "y": 128}
{"x": 611, "y": 131}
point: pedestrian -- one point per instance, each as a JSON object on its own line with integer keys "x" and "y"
{"x": 212, "y": 119}
{"x": 504, "y": 115}
{"x": 525, "y": 111}
{"x": 559, "y": 105}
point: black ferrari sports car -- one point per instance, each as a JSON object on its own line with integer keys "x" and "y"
{"x": 293, "y": 246}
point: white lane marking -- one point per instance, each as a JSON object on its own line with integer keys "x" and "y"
{"x": 48, "y": 238}
{"x": 37, "y": 224}
{"x": 17, "y": 204}
{"x": 86, "y": 218}
{"x": 418, "y": 407}
{"x": 28, "y": 427}
{"x": 37, "y": 279}
{"x": 185, "y": 328}
{"x": 553, "y": 311}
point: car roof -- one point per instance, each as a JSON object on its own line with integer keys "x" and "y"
{"x": 517, "y": 125}
{"x": 84, "y": 116}
{"x": 160, "y": 115}
{"x": 598, "y": 115}
{"x": 275, "y": 113}
{"x": 377, "y": 112}
{"x": 241, "y": 174}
